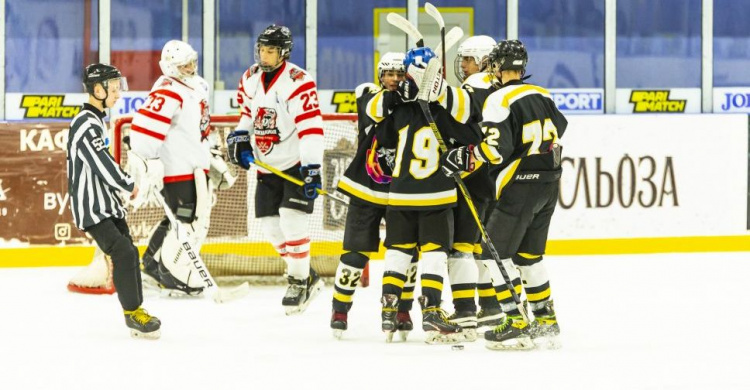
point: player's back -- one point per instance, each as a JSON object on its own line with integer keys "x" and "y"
{"x": 418, "y": 182}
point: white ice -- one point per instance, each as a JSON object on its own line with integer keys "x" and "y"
{"x": 676, "y": 321}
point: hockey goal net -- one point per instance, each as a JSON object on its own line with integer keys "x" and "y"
{"x": 235, "y": 246}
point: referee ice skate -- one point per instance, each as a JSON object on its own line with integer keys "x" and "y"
{"x": 94, "y": 180}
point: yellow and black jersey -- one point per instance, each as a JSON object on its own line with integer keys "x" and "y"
{"x": 372, "y": 108}
{"x": 418, "y": 183}
{"x": 520, "y": 121}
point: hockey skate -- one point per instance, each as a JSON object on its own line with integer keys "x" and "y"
{"x": 389, "y": 316}
{"x": 404, "y": 325}
{"x": 546, "y": 332}
{"x": 435, "y": 323}
{"x": 142, "y": 325}
{"x": 467, "y": 320}
{"x": 489, "y": 318}
{"x": 301, "y": 292}
{"x": 512, "y": 334}
{"x": 338, "y": 324}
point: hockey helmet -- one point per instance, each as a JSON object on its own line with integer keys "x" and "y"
{"x": 419, "y": 57}
{"x": 176, "y": 54}
{"x": 477, "y": 47}
{"x": 277, "y": 36}
{"x": 509, "y": 55}
{"x": 390, "y": 61}
{"x": 101, "y": 74}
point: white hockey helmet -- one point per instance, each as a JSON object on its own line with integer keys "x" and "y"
{"x": 477, "y": 47}
{"x": 390, "y": 61}
{"x": 175, "y": 54}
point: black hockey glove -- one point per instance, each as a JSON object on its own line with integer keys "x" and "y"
{"x": 457, "y": 160}
{"x": 408, "y": 90}
{"x": 239, "y": 150}
{"x": 311, "y": 177}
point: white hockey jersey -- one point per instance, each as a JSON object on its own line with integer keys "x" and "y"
{"x": 284, "y": 118}
{"x": 173, "y": 125}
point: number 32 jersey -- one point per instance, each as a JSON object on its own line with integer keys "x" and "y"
{"x": 173, "y": 125}
{"x": 282, "y": 115}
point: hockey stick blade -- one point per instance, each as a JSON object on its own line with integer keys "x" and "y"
{"x": 435, "y": 14}
{"x": 432, "y": 11}
{"x": 405, "y": 25}
{"x": 451, "y": 39}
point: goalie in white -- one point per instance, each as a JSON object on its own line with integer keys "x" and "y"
{"x": 173, "y": 127}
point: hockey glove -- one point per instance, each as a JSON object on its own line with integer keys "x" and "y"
{"x": 311, "y": 177}
{"x": 239, "y": 150}
{"x": 408, "y": 90}
{"x": 457, "y": 160}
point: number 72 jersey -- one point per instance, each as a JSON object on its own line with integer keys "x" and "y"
{"x": 519, "y": 120}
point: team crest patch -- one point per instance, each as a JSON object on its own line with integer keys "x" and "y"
{"x": 166, "y": 82}
{"x": 296, "y": 74}
{"x": 266, "y": 132}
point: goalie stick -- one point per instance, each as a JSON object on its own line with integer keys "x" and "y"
{"x": 432, "y": 11}
{"x": 218, "y": 294}
{"x": 422, "y": 96}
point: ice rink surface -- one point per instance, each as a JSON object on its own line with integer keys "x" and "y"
{"x": 676, "y": 321}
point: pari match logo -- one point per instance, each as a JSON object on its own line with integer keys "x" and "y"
{"x": 47, "y": 106}
{"x": 645, "y": 101}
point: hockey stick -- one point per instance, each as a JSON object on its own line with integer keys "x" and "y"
{"x": 451, "y": 39}
{"x": 219, "y": 295}
{"x": 296, "y": 181}
{"x": 422, "y": 99}
{"x": 432, "y": 11}
{"x": 404, "y": 25}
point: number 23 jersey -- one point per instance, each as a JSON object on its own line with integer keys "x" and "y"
{"x": 282, "y": 116}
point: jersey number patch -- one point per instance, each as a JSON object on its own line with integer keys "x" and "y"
{"x": 535, "y": 133}
{"x": 425, "y": 150}
{"x": 309, "y": 101}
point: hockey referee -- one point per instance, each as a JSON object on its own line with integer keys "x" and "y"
{"x": 94, "y": 180}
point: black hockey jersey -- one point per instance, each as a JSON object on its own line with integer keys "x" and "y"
{"x": 372, "y": 109}
{"x": 520, "y": 122}
{"x": 418, "y": 183}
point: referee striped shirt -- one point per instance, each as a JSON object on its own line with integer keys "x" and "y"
{"x": 94, "y": 178}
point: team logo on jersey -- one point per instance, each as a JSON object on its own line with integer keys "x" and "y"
{"x": 205, "y": 125}
{"x": 296, "y": 74}
{"x": 266, "y": 132}
{"x": 166, "y": 82}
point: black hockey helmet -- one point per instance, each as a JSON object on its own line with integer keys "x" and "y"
{"x": 509, "y": 54}
{"x": 279, "y": 36}
{"x": 101, "y": 74}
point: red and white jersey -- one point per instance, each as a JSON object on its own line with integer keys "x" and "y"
{"x": 173, "y": 125}
{"x": 284, "y": 118}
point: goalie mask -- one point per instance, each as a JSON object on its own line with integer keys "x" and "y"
{"x": 179, "y": 60}
{"x": 477, "y": 47}
{"x": 102, "y": 74}
{"x": 509, "y": 55}
{"x": 274, "y": 36}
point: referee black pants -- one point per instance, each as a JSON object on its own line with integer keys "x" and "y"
{"x": 113, "y": 237}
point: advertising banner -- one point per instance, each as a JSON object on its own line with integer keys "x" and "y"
{"x": 732, "y": 100}
{"x": 658, "y": 101}
{"x": 627, "y": 176}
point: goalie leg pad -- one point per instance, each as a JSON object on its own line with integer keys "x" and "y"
{"x": 294, "y": 224}
{"x": 178, "y": 265}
